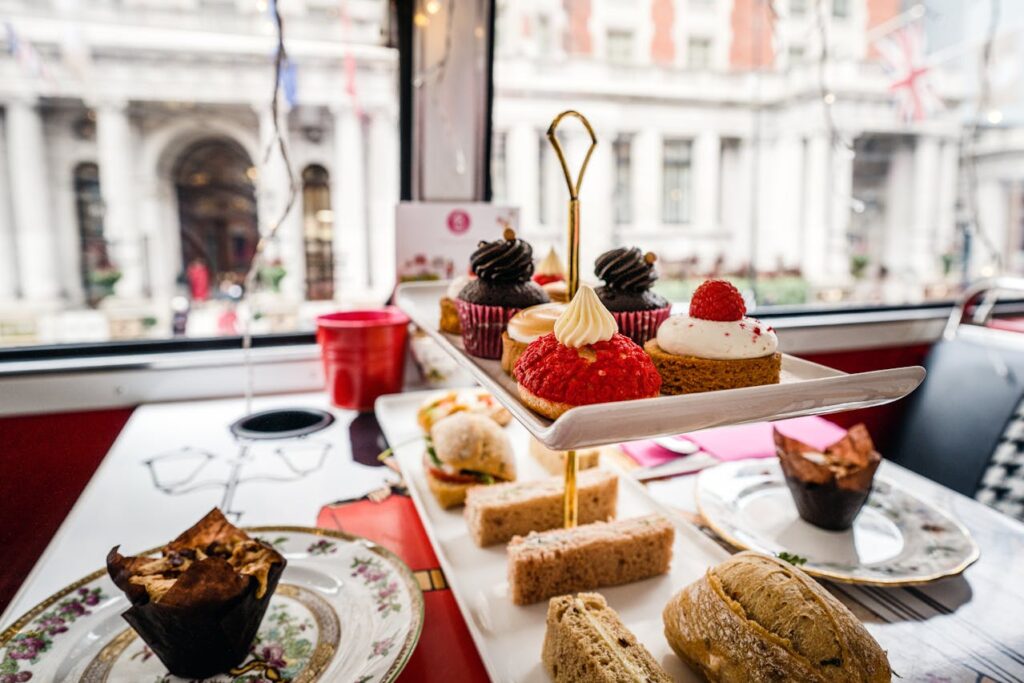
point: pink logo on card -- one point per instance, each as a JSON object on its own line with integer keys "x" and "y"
{"x": 458, "y": 221}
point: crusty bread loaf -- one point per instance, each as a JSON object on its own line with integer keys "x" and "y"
{"x": 497, "y": 513}
{"x": 586, "y": 642}
{"x": 560, "y": 561}
{"x": 757, "y": 618}
{"x": 554, "y": 461}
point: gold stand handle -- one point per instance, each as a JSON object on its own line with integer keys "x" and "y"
{"x": 571, "y": 500}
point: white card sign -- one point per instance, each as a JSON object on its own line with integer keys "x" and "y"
{"x": 434, "y": 240}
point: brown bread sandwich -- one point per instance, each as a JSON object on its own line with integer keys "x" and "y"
{"x": 586, "y": 642}
{"x": 199, "y": 604}
{"x": 466, "y": 450}
{"x": 759, "y": 619}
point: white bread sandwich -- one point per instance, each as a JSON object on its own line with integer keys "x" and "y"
{"x": 466, "y": 450}
{"x": 586, "y": 642}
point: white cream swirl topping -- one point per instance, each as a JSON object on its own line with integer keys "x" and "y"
{"x": 682, "y": 335}
{"x": 551, "y": 265}
{"x": 535, "y": 321}
{"x": 585, "y": 321}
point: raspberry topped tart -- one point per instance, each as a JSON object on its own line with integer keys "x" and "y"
{"x": 716, "y": 346}
{"x": 584, "y": 361}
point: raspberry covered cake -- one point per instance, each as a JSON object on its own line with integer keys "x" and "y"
{"x": 585, "y": 360}
{"x": 716, "y": 346}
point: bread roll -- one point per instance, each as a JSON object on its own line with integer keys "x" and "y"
{"x": 466, "y": 441}
{"x": 757, "y": 618}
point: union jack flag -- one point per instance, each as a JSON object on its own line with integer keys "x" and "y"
{"x": 903, "y": 55}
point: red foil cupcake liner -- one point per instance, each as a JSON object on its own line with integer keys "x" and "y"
{"x": 641, "y": 325}
{"x": 482, "y": 327}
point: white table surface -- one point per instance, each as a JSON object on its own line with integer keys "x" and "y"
{"x": 966, "y": 628}
{"x": 122, "y": 505}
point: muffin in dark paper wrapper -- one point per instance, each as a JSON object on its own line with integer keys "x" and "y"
{"x": 199, "y": 604}
{"x": 830, "y": 488}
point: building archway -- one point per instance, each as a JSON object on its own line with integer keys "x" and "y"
{"x": 214, "y": 181}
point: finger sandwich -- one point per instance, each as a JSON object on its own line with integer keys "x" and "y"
{"x": 542, "y": 565}
{"x": 497, "y": 513}
{"x": 586, "y": 642}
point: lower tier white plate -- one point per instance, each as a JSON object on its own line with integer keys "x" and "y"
{"x": 345, "y": 610}
{"x": 508, "y": 637}
{"x": 805, "y": 389}
{"x": 897, "y": 539}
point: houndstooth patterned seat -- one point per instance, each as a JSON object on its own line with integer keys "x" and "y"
{"x": 1002, "y": 484}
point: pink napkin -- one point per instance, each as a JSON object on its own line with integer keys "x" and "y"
{"x": 741, "y": 441}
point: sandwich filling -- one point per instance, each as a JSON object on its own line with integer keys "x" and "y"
{"x": 453, "y": 475}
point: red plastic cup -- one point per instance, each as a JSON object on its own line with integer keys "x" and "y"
{"x": 364, "y": 354}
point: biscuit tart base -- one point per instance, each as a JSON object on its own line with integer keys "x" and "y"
{"x": 449, "y": 317}
{"x": 692, "y": 374}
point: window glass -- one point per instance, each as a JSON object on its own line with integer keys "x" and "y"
{"x": 699, "y": 53}
{"x": 620, "y": 47}
{"x": 623, "y": 180}
{"x": 676, "y": 182}
{"x": 816, "y": 153}
{"x": 134, "y": 174}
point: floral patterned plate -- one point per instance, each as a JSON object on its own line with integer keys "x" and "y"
{"x": 897, "y": 539}
{"x": 345, "y": 610}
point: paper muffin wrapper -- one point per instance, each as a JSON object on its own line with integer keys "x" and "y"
{"x": 641, "y": 325}
{"x": 482, "y": 327}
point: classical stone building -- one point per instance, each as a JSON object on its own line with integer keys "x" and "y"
{"x": 132, "y": 136}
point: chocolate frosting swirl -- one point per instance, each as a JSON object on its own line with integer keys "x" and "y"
{"x": 626, "y": 270}
{"x": 504, "y": 260}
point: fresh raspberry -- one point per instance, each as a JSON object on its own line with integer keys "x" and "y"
{"x": 613, "y": 370}
{"x": 717, "y": 300}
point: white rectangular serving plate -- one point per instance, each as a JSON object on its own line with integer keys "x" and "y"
{"x": 508, "y": 637}
{"x": 805, "y": 389}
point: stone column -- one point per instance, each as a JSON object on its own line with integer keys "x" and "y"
{"x": 706, "y": 153}
{"x": 273, "y": 189}
{"x": 35, "y": 241}
{"x": 522, "y": 173}
{"x": 647, "y": 165}
{"x": 949, "y": 181}
{"x": 923, "y": 258}
{"x": 838, "y": 257}
{"x": 8, "y": 256}
{"x": 117, "y": 185}
{"x": 348, "y": 202}
{"x": 816, "y": 223}
{"x": 383, "y": 192}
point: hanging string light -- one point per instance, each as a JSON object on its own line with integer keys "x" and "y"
{"x": 277, "y": 142}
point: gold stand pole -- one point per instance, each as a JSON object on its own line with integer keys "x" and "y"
{"x": 571, "y": 500}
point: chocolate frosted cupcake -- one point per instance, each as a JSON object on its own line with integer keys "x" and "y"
{"x": 502, "y": 287}
{"x": 628, "y": 276}
{"x": 829, "y": 488}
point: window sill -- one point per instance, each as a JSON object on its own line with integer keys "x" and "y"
{"x": 88, "y": 382}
